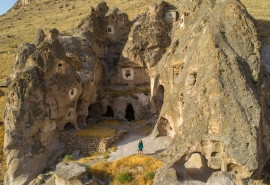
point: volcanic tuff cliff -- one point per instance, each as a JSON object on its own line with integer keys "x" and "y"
{"x": 201, "y": 62}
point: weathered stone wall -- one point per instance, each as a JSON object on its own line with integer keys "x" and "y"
{"x": 130, "y": 77}
{"x": 88, "y": 145}
{"x": 139, "y": 102}
{"x": 109, "y": 28}
{"x": 209, "y": 71}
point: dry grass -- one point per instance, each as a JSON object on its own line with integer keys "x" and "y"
{"x": 96, "y": 155}
{"x": 96, "y": 131}
{"x": 110, "y": 122}
{"x": 140, "y": 121}
{"x": 86, "y": 159}
{"x": 136, "y": 165}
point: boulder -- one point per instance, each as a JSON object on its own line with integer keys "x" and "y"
{"x": 70, "y": 173}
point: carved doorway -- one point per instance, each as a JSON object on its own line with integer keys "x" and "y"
{"x": 130, "y": 113}
{"x": 109, "y": 113}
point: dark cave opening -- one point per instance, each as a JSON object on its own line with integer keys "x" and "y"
{"x": 69, "y": 126}
{"x": 130, "y": 113}
{"x": 94, "y": 111}
{"x": 109, "y": 113}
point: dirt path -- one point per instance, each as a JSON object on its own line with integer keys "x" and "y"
{"x": 129, "y": 145}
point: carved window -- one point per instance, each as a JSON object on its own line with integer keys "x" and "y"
{"x": 170, "y": 16}
{"x": 110, "y": 30}
{"x": 128, "y": 73}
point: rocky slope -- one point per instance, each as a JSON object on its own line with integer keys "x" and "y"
{"x": 201, "y": 61}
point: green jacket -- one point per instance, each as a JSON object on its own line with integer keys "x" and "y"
{"x": 140, "y": 146}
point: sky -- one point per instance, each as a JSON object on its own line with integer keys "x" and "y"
{"x": 5, "y": 5}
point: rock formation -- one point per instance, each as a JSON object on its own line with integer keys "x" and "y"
{"x": 218, "y": 112}
{"x": 195, "y": 69}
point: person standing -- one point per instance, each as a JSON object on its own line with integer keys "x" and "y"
{"x": 140, "y": 146}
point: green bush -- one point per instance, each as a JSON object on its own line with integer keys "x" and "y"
{"x": 68, "y": 158}
{"x": 106, "y": 155}
{"x": 89, "y": 172}
{"x": 124, "y": 177}
{"x": 150, "y": 175}
{"x": 41, "y": 181}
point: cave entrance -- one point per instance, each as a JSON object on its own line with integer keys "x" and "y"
{"x": 195, "y": 168}
{"x": 130, "y": 113}
{"x": 109, "y": 113}
{"x": 94, "y": 111}
{"x": 69, "y": 126}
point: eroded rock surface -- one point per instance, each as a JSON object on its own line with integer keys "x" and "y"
{"x": 195, "y": 68}
{"x": 213, "y": 70}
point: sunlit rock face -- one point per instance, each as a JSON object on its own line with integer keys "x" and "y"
{"x": 215, "y": 93}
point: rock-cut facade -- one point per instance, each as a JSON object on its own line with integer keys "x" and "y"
{"x": 193, "y": 69}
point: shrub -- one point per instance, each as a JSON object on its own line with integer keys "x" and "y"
{"x": 150, "y": 175}
{"x": 89, "y": 172}
{"x": 124, "y": 177}
{"x": 68, "y": 158}
{"x": 106, "y": 155}
{"x": 204, "y": 90}
{"x": 163, "y": 155}
{"x": 41, "y": 181}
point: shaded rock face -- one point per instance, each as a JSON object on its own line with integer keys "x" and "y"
{"x": 38, "y": 107}
{"x": 201, "y": 63}
{"x": 213, "y": 85}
